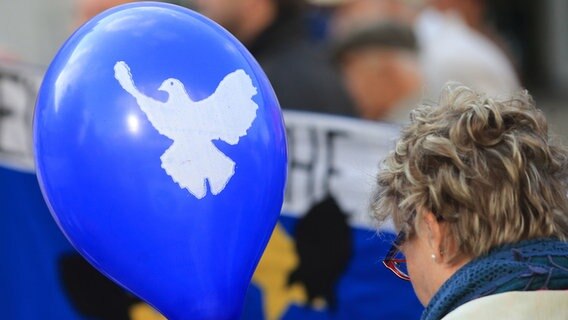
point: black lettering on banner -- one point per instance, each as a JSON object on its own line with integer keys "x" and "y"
{"x": 17, "y": 97}
{"x": 312, "y": 154}
{"x": 331, "y": 169}
{"x": 297, "y": 165}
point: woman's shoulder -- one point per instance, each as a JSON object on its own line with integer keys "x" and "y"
{"x": 543, "y": 304}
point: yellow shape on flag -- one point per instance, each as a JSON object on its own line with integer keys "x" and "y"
{"x": 142, "y": 311}
{"x": 271, "y": 275}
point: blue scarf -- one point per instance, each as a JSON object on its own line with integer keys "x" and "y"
{"x": 526, "y": 266}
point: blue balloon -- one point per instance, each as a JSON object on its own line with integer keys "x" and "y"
{"x": 161, "y": 152}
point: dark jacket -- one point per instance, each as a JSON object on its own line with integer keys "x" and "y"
{"x": 299, "y": 71}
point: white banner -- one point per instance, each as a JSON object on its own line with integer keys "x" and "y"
{"x": 19, "y": 85}
{"x": 336, "y": 156}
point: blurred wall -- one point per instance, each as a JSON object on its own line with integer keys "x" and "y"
{"x": 33, "y": 30}
{"x": 557, "y": 43}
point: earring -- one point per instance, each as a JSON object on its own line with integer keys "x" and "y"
{"x": 433, "y": 257}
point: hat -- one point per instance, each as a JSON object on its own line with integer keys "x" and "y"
{"x": 385, "y": 34}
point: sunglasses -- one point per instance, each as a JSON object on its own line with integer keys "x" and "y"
{"x": 394, "y": 261}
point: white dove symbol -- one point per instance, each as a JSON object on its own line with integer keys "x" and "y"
{"x": 226, "y": 115}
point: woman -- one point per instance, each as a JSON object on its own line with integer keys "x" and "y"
{"x": 479, "y": 194}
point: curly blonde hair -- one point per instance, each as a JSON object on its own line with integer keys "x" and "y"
{"x": 485, "y": 167}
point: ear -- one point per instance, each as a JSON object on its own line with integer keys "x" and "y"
{"x": 435, "y": 233}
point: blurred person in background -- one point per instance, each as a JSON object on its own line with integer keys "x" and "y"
{"x": 86, "y": 9}
{"x": 451, "y": 36}
{"x": 478, "y": 192}
{"x": 454, "y": 49}
{"x": 380, "y": 67}
{"x": 275, "y": 33}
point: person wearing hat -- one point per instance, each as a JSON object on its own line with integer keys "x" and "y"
{"x": 380, "y": 67}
